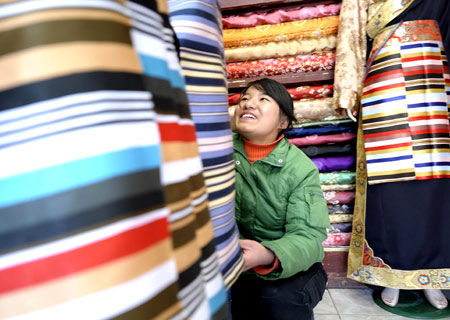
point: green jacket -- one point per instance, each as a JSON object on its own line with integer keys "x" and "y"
{"x": 280, "y": 204}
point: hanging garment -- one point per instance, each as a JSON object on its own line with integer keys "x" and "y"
{"x": 103, "y": 206}
{"x": 197, "y": 26}
{"x": 400, "y": 227}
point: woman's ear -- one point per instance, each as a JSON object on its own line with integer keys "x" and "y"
{"x": 283, "y": 123}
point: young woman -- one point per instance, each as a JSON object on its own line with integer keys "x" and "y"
{"x": 280, "y": 211}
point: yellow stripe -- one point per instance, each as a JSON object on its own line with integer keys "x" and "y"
{"x": 420, "y": 54}
{"x": 187, "y": 255}
{"x": 61, "y": 14}
{"x": 56, "y": 60}
{"x": 199, "y": 57}
{"x": 384, "y": 114}
{"x": 434, "y": 172}
{"x": 203, "y": 74}
{"x": 386, "y": 173}
{"x": 220, "y": 201}
{"x": 374, "y": 94}
{"x": 203, "y": 66}
{"x": 175, "y": 151}
{"x": 222, "y": 186}
{"x": 84, "y": 283}
{"x": 213, "y": 172}
{"x": 387, "y": 151}
{"x": 432, "y": 151}
{"x": 387, "y": 53}
{"x": 411, "y": 92}
{"x": 429, "y": 113}
{"x": 384, "y": 123}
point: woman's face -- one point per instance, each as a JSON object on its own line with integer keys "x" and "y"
{"x": 257, "y": 117}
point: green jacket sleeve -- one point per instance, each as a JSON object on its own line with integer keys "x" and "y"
{"x": 305, "y": 228}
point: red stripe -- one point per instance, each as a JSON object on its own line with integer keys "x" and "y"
{"x": 435, "y": 176}
{"x": 416, "y": 132}
{"x": 428, "y": 117}
{"x": 418, "y": 58}
{"x": 423, "y": 71}
{"x": 172, "y": 132}
{"x": 79, "y": 259}
{"x": 382, "y": 134}
{"x": 391, "y": 86}
{"x": 384, "y": 74}
{"x": 398, "y": 145}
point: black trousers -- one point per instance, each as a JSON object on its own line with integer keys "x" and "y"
{"x": 286, "y": 299}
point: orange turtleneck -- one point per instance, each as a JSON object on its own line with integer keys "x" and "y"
{"x": 259, "y": 151}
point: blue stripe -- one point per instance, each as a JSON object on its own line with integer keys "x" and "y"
{"x": 49, "y": 181}
{"x": 390, "y": 159}
{"x": 218, "y": 300}
{"x": 427, "y": 104}
{"x": 430, "y": 164}
{"x": 367, "y": 104}
{"x": 158, "y": 68}
{"x": 419, "y": 45}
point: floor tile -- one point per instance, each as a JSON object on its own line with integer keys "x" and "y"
{"x": 325, "y": 306}
{"x": 326, "y": 317}
{"x": 355, "y": 302}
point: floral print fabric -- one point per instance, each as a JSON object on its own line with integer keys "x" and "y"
{"x": 317, "y": 109}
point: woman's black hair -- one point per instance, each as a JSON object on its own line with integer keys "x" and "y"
{"x": 277, "y": 92}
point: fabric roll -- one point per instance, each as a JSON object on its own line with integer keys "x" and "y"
{"x": 337, "y": 177}
{"x": 327, "y": 150}
{"x": 340, "y": 227}
{"x": 277, "y": 49}
{"x": 338, "y": 239}
{"x": 324, "y": 123}
{"x": 323, "y": 139}
{"x": 339, "y": 197}
{"x": 270, "y": 67}
{"x": 317, "y": 109}
{"x": 111, "y": 213}
{"x": 322, "y": 130}
{"x": 279, "y": 15}
{"x": 303, "y": 92}
{"x": 202, "y": 61}
{"x": 340, "y": 209}
{"x": 335, "y": 163}
{"x": 311, "y": 28}
{"x": 340, "y": 218}
{"x": 338, "y": 187}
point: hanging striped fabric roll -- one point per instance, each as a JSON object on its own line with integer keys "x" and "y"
{"x": 198, "y": 28}
{"x": 103, "y": 205}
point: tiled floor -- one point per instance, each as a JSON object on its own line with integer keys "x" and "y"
{"x": 351, "y": 304}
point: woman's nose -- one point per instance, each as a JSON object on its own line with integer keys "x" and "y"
{"x": 250, "y": 103}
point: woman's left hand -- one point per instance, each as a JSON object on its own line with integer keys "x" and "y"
{"x": 255, "y": 254}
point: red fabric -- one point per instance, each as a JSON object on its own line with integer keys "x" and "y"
{"x": 263, "y": 270}
{"x": 270, "y": 67}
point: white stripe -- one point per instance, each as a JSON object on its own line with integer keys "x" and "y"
{"x": 389, "y": 154}
{"x": 71, "y": 243}
{"x": 428, "y": 122}
{"x": 78, "y": 110}
{"x": 33, "y": 5}
{"x": 196, "y": 28}
{"x": 114, "y": 301}
{"x": 387, "y": 142}
{"x": 433, "y": 169}
{"x": 77, "y": 123}
{"x": 434, "y": 156}
{"x": 73, "y": 99}
{"x": 180, "y": 214}
{"x": 75, "y": 145}
{"x": 427, "y": 97}
{"x": 135, "y": 7}
{"x": 373, "y": 168}
{"x": 177, "y": 171}
{"x": 428, "y": 62}
{"x": 381, "y": 84}
{"x": 214, "y": 147}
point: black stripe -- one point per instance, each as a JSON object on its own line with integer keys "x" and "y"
{"x": 82, "y": 221}
{"x": 212, "y": 126}
{"x": 70, "y": 84}
{"x": 432, "y": 146}
{"x": 386, "y": 129}
{"x": 424, "y": 87}
{"x": 218, "y": 160}
{"x": 85, "y": 199}
{"x": 223, "y": 313}
{"x": 200, "y": 61}
{"x": 429, "y": 135}
{"x": 386, "y": 58}
{"x": 194, "y": 13}
{"x": 424, "y": 76}
{"x": 184, "y": 235}
{"x": 385, "y": 69}
{"x": 392, "y": 176}
{"x": 51, "y": 32}
{"x": 392, "y": 117}
{"x": 200, "y": 46}
{"x": 205, "y": 81}
{"x": 189, "y": 275}
{"x": 221, "y": 193}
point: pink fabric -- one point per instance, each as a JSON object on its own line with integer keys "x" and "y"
{"x": 339, "y": 197}
{"x": 273, "y": 16}
{"x": 270, "y": 67}
{"x": 322, "y": 139}
{"x": 337, "y": 239}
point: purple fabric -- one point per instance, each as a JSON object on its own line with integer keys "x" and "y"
{"x": 339, "y": 197}
{"x": 335, "y": 163}
{"x": 322, "y": 139}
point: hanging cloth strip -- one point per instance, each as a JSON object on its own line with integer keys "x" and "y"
{"x": 277, "y": 49}
{"x": 274, "y": 16}
{"x": 271, "y": 67}
{"x": 317, "y": 109}
{"x": 302, "y": 29}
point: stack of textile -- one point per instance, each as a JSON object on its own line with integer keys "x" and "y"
{"x": 277, "y": 41}
{"x": 331, "y": 146}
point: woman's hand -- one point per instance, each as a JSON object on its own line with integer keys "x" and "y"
{"x": 255, "y": 254}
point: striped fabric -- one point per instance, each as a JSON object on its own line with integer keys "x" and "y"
{"x": 405, "y": 104}
{"x": 198, "y": 28}
{"x": 103, "y": 210}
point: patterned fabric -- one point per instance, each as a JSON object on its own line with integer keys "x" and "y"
{"x": 337, "y": 239}
{"x": 339, "y": 197}
{"x": 318, "y": 139}
{"x": 281, "y": 48}
{"x": 270, "y": 67}
{"x": 405, "y": 105}
{"x": 338, "y": 187}
{"x": 103, "y": 201}
{"x": 333, "y": 149}
{"x": 340, "y": 209}
{"x": 337, "y": 177}
{"x": 303, "y": 92}
{"x": 279, "y": 15}
{"x": 311, "y": 28}
{"x": 340, "y": 218}
{"x": 304, "y": 131}
{"x": 317, "y": 109}
{"x": 202, "y": 61}
{"x": 340, "y": 227}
